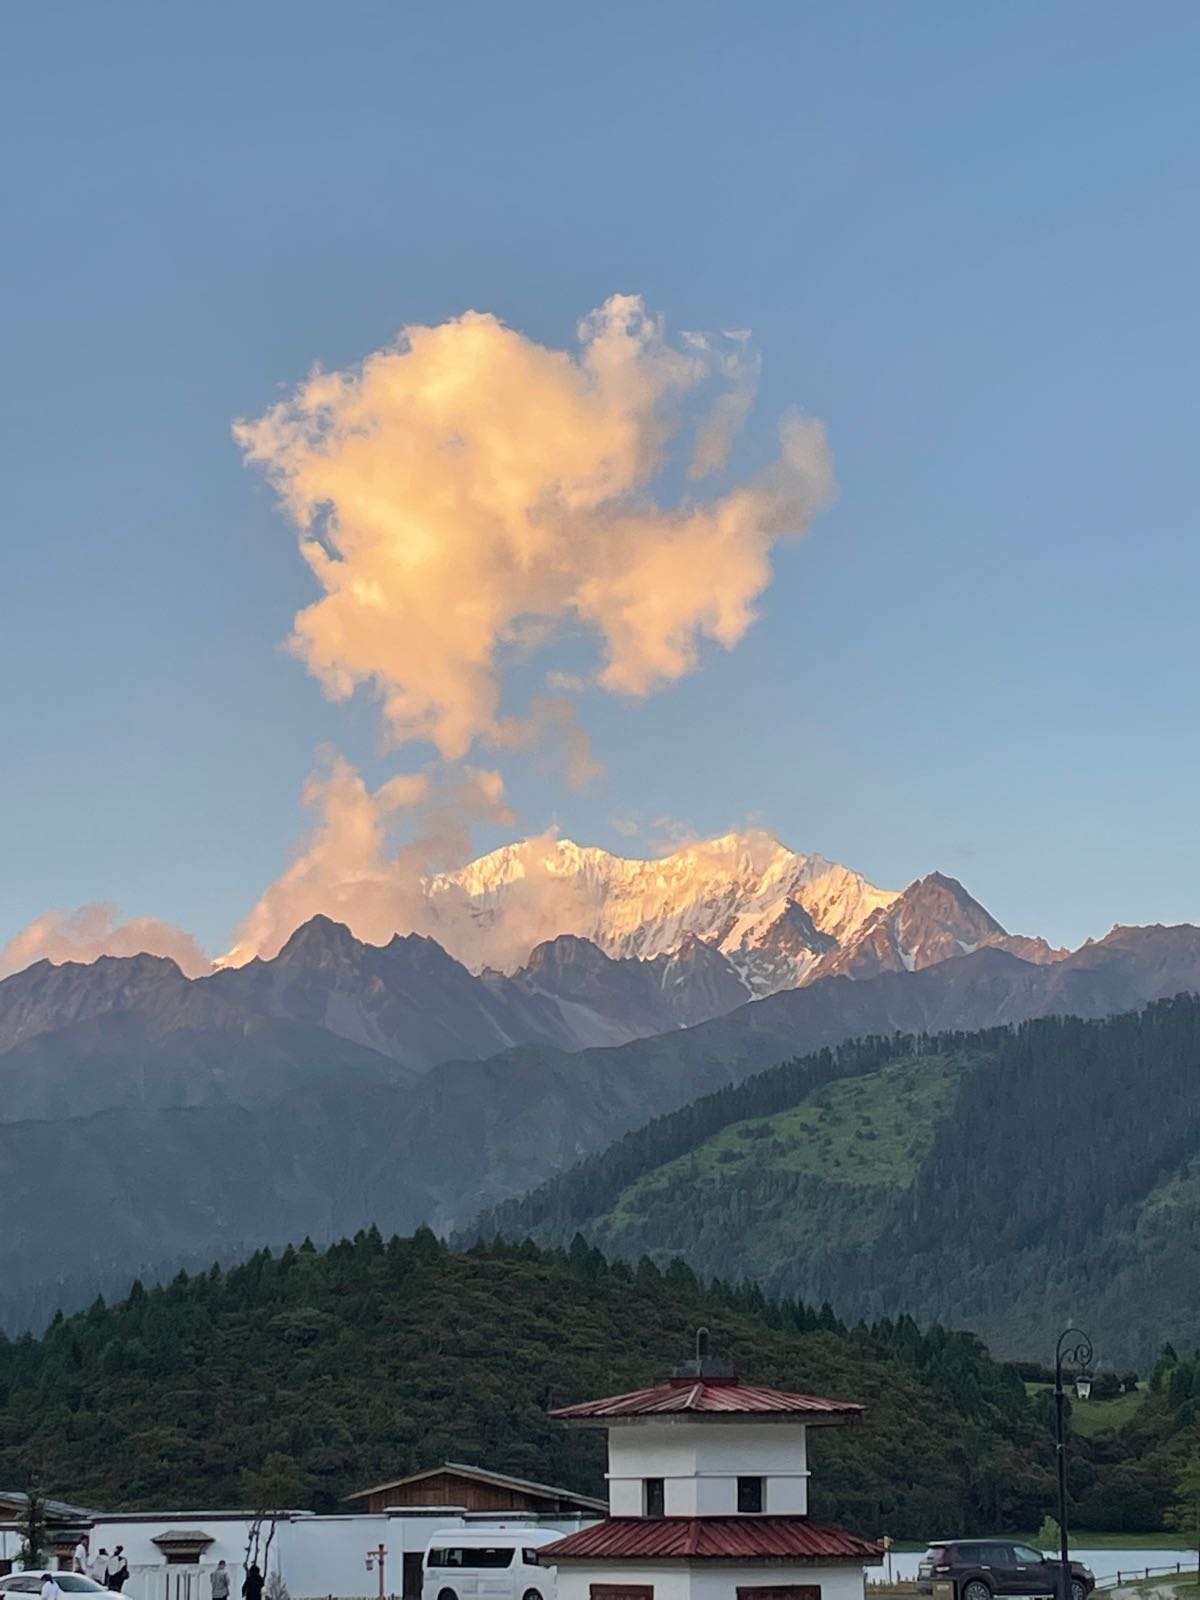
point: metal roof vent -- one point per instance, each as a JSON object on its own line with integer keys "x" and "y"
{"x": 703, "y": 1364}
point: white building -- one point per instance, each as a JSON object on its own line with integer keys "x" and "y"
{"x": 708, "y": 1494}
{"x": 172, "y": 1554}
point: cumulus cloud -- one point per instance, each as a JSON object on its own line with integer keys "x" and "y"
{"x": 350, "y": 867}
{"x": 94, "y": 930}
{"x": 467, "y": 493}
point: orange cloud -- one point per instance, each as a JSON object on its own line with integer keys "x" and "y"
{"x": 94, "y": 931}
{"x": 467, "y": 492}
{"x": 349, "y": 868}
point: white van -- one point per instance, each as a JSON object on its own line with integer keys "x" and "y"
{"x": 497, "y": 1561}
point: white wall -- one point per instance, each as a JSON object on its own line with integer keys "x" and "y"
{"x": 700, "y": 1463}
{"x": 315, "y": 1556}
{"x": 680, "y": 1580}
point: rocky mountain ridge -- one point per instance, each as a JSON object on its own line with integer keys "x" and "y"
{"x": 770, "y": 911}
{"x": 172, "y": 1146}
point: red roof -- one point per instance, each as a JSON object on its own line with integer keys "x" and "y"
{"x": 711, "y": 1396}
{"x": 710, "y": 1538}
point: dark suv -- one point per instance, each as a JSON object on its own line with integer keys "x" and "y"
{"x": 981, "y": 1568}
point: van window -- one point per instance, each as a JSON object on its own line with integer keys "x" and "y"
{"x": 481, "y": 1555}
{"x": 530, "y": 1557}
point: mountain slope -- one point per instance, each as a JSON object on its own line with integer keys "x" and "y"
{"x": 412, "y": 1001}
{"x": 888, "y": 1176}
{"x": 44, "y": 997}
{"x": 140, "y": 1034}
{"x": 329, "y": 1131}
{"x": 407, "y": 999}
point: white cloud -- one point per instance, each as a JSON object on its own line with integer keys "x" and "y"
{"x": 94, "y": 930}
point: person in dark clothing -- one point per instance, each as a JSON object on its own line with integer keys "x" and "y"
{"x": 118, "y": 1570}
{"x": 252, "y": 1584}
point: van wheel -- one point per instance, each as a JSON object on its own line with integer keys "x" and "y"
{"x": 534, "y": 1594}
{"x": 977, "y": 1589}
{"x": 447, "y": 1594}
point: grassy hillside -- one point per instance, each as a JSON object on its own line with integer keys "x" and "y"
{"x": 1092, "y": 1417}
{"x": 862, "y": 1138}
{"x": 1007, "y": 1181}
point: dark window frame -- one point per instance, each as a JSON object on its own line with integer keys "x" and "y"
{"x": 751, "y": 1494}
{"x": 779, "y": 1591}
{"x": 654, "y": 1497}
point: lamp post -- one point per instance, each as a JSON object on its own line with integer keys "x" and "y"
{"x": 1074, "y": 1349}
{"x": 376, "y": 1559}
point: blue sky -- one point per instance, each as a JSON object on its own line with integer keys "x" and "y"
{"x": 964, "y": 236}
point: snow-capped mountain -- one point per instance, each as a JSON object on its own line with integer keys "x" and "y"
{"x": 934, "y": 920}
{"x": 773, "y": 913}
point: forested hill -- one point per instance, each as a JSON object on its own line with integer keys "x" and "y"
{"x": 373, "y": 1359}
{"x": 334, "y": 1369}
{"x": 1007, "y": 1181}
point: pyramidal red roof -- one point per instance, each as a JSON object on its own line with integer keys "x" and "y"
{"x": 710, "y": 1396}
{"x": 710, "y": 1538}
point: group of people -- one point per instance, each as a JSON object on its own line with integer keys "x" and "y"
{"x": 113, "y": 1572}
{"x": 110, "y": 1570}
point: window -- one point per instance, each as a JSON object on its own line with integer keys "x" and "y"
{"x": 530, "y": 1557}
{"x": 780, "y": 1591}
{"x": 994, "y": 1555}
{"x": 653, "y": 1497}
{"x": 621, "y": 1591}
{"x": 750, "y": 1494}
{"x": 471, "y": 1556}
{"x": 1024, "y": 1553}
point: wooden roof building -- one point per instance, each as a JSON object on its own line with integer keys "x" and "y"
{"x": 453, "y": 1483}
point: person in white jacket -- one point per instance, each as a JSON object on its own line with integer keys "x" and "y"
{"x": 99, "y": 1567}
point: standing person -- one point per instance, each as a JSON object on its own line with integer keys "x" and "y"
{"x": 99, "y": 1568}
{"x": 50, "y": 1589}
{"x": 252, "y": 1587}
{"x": 81, "y": 1554}
{"x": 118, "y": 1569}
{"x": 220, "y": 1581}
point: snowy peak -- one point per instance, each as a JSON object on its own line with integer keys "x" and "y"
{"x": 770, "y": 911}
{"x": 934, "y": 920}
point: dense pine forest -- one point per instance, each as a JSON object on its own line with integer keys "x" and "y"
{"x": 374, "y": 1358}
{"x": 1008, "y": 1181}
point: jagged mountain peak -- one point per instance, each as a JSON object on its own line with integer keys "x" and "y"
{"x": 934, "y": 920}
{"x": 566, "y": 950}
{"x": 318, "y": 935}
{"x": 728, "y": 892}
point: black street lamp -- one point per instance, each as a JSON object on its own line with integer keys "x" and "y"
{"x": 1074, "y": 1349}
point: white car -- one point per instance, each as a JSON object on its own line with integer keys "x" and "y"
{"x": 26, "y": 1583}
{"x": 488, "y": 1563}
